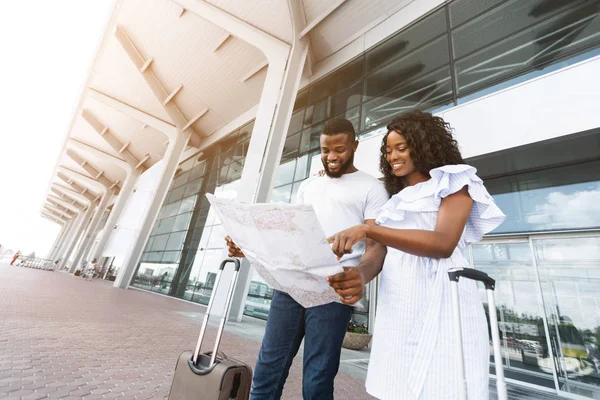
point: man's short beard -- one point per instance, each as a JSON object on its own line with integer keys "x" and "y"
{"x": 345, "y": 166}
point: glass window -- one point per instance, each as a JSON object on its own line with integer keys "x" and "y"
{"x": 408, "y": 40}
{"x": 550, "y": 199}
{"x": 193, "y": 187}
{"x": 171, "y": 257}
{"x": 199, "y": 170}
{"x": 160, "y": 243}
{"x": 217, "y": 237}
{"x": 166, "y": 225}
{"x": 187, "y": 204}
{"x": 353, "y": 116}
{"x": 295, "y": 188}
{"x": 182, "y": 222}
{"x": 427, "y": 92}
{"x": 317, "y": 113}
{"x": 155, "y": 257}
{"x": 411, "y": 70}
{"x": 285, "y": 173}
{"x": 281, "y": 194}
{"x": 310, "y": 139}
{"x": 290, "y": 148}
{"x": 181, "y": 179}
{"x": 175, "y": 194}
{"x": 171, "y": 209}
{"x": 176, "y": 240}
{"x": 296, "y": 122}
{"x": 301, "y": 100}
{"x": 341, "y": 79}
{"x": 346, "y": 99}
{"x": 529, "y": 36}
{"x": 301, "y": 168}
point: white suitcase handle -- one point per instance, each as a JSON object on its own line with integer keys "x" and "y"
{"x": 225, "y": 313}
{"x": 490, "y": 284}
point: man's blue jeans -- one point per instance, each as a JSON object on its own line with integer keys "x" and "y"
{"x": 322, "y": 327}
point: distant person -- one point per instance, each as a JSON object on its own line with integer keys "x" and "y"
{"x": 90, "y": 270}
{"x": 438, "y": 206}
{"x": 17, "y": 254}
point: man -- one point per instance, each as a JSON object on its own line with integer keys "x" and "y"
{"x": 344, "y": 197}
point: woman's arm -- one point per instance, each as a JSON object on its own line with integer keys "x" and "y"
{"x": 440, "y": 243}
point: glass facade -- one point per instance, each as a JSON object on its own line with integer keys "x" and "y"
{"x": 463, "y": 50}
{"x": 186, "y": 244}
{"x": 548, "y": 291}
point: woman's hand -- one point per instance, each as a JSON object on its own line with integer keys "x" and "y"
{"x": 343, "y": 241}
{"x": 234, "y": 251}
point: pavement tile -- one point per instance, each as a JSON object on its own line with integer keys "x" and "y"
{"x": 116, "y": 344}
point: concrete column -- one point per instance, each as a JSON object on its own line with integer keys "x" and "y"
{"x": 91, "y": 230}
{"x": 264, "y": 153}
{"x": 59, "y": 238}
{"x": 93, "y": 242}
{"x": 80, "y": 225}
{"x": 115, "y": 213}
{"x": 174, "y": 151}
{"x": 61, "y": 251}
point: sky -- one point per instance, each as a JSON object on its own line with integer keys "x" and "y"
{"x": 47, "y": 49}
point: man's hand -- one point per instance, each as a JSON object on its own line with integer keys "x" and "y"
{"x": 234, "y": 251}
{"x": 349, "y": 285}
{"x": 343, "y": 241}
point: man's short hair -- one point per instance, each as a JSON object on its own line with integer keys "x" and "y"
{"x": 335, "y": 126}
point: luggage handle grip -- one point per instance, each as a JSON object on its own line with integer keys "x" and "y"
{"x": 237, "y": 265}
{"x": 470, "y": 273}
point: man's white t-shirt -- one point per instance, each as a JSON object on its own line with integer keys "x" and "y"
{"x": 341, "y": 203}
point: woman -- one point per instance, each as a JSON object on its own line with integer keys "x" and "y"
{"x": 438, "y": 206}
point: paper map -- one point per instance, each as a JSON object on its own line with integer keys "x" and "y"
{"x": 285, "y": 244}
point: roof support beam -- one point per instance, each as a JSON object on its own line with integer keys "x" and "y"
{"x": 71, "y": 192}
{"x": 62, "y": 202}
{"x": 145, "y": 118}
{"x": 93, "y": 151}
{"x": 254, "y": 71}
{"x": 156, "y": 86}
{"x": 54, "y": 213}
{"x": 50, "y": 207}
{"x": 67, "y": 196}
{"x": 271, "y": 46}
{"x": 59, "y": 207}
{"x": 79, "y": 189}
{"x": 311, "y": 25}
{"x": 221, "y": 42}
{"x": 97, "y": 173}
{"x": 52, "y": 218}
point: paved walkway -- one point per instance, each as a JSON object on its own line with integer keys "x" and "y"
{"x": 62, "y": 337}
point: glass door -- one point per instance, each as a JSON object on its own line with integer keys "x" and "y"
{"x": 569, "y": 271}
{"x": 526, "y": 353}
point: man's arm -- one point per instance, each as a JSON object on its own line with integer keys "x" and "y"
{"x": 350, "y": 284}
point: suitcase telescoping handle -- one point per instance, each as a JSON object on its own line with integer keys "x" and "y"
{"x": 489, "y": 283}
{"x": 225, "y": 312}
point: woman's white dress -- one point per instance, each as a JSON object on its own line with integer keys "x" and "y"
{"x": 413, "y": 347}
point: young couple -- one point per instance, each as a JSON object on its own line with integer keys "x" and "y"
{"x": 411, "y": 229}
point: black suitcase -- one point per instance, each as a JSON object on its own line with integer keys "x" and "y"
{"x": 490, "y": 284}
{"x": 212, "y": 375}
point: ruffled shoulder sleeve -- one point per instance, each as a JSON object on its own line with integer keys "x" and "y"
{"x": 485, "y": 214}
{"x": 426, "y": 197}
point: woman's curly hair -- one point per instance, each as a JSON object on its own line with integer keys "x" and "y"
{"x": 431, "y": 145}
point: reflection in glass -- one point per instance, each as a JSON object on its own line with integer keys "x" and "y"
{"x": 551, "y": 199}
{"x": 524, "y": 344}
{"x": 571, "y": 288}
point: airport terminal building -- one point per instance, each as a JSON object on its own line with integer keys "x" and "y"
{"x": 188, "y": 97}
